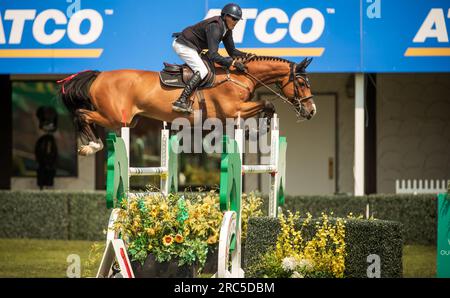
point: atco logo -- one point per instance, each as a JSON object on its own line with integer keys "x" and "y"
{"x": 286, "y": 27}
{"x": 23, "y": 17}
{"x": 292, "y": 25}
{"x": 433, "y": 28}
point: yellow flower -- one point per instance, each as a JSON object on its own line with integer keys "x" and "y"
{"x": 167, "y": 240}
{"x": 212, "y": 239}
{"x": 150, "y": 231}
{"x": 164, "y": 206}
{"x": 179, "y": 238}
{"x": 154, "y": 212}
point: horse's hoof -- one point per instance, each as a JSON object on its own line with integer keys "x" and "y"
{"x": 92, "y": 148}
{"x": 84, "y": 150}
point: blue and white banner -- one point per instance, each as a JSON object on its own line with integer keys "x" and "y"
{"x": 66, "y": 36}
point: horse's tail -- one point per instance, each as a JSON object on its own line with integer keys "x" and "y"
{"x": 75, "y": 95}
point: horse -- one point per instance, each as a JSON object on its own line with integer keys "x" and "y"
{"x": 113, "y": 99}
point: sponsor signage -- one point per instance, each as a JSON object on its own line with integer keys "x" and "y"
{"x": 66, "y": 36}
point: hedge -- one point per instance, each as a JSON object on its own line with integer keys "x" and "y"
{"x": 417, "y": 213}
{"x": 362, "y": 238}
{"x": 83, "y": 215}
{"x": 53, "y": 215}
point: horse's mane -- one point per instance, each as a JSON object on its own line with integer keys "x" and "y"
{"x": 263, "y": 58}
{"x": 299, "y": 68}
{"x": 267, "y": 58}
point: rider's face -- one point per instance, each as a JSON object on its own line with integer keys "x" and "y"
{"x": 231, "y": 22}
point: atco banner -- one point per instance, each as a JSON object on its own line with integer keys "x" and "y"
{"x": 66, "y": 36}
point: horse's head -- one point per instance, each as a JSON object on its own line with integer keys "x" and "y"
{"x": 296, "y": 87}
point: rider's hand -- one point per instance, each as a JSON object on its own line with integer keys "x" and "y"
{"x": 249, "y": 55}
{"x": 239, "y": 66}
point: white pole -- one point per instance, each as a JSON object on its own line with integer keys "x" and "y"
{"x": 274, "y": 146}
{"x": 125, "y": 135}
{"x": 164, "y": 184}
{"x": 358, "y": 171}
{"x": 236, "y": 259}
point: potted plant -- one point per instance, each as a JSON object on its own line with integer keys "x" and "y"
{"x": 176, "y": 235}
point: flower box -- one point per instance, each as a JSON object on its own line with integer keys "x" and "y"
{"x": 153, "y": 269}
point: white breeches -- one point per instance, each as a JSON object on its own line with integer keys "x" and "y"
{"x": 191, "y": 57}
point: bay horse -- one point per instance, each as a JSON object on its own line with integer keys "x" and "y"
{"x": 112, "y": 99}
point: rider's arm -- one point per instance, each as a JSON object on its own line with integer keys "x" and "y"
{"x": 213, "y": 36}
{"x": 230, "y": 47}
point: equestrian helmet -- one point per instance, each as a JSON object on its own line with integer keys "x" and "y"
{"x": 233, "y": 10}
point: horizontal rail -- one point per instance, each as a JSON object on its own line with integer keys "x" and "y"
{"x": 135, "y": 195}
{"x": 258, "y": 169}
{"x": 150, "y": 171}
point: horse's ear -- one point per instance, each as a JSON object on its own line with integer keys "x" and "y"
{"x": 308, "y": 61}
{"x": 301, "y": 67}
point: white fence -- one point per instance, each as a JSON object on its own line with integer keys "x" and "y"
{"x": 421, "y": 186}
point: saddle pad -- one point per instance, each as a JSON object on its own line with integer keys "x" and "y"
{"x": 171, "y": 79}
{"x": 176, "y": 80}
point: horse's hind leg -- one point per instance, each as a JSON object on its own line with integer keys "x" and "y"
{"x": 93, "y": 142}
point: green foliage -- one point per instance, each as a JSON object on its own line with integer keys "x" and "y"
{"x": 304, "y": 254}
{"x": 83, "y": 215}
{"x": 53, "y": 215}
{"x": 362, "y": 238}
{"x": 184, "y": 229}
{"x": 416, "y": 213}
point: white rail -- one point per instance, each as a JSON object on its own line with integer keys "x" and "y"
{"x": 162, "y": 171}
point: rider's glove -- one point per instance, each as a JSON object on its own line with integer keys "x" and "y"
{"x": 239, "y": 66}
{"x": 249, "y": 55}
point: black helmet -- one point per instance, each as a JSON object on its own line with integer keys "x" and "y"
{"x": 233, "y": 10}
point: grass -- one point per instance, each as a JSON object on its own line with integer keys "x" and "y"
{"x": 43, "y": 258}
{"x": 419, "y": 261}
{"x": 48, "y": 258}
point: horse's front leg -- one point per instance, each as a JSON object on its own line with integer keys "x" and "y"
{"x": 251, "y": 108}
{"x": 269, "y": 111}
{"x": 254, "y": 108}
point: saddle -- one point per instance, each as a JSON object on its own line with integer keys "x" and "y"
{"x": 177, "y": 75}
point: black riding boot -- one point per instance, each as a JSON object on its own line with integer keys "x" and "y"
{"x": 184, "y": 104}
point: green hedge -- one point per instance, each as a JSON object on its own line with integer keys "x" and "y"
{"x": 53, "y": 215}
{"x": 362, "y": 238}
{"x": 417, "y": 213}
{"x": 83, "y": 215}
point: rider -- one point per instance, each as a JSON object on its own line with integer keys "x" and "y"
{"x": 207, "y": 34}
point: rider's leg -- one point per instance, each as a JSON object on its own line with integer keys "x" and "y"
{"x": 192, "y": 58}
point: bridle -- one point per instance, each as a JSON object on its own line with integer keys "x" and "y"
{"x": 299, "y": 108}
{"x": 293, "y": 77}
